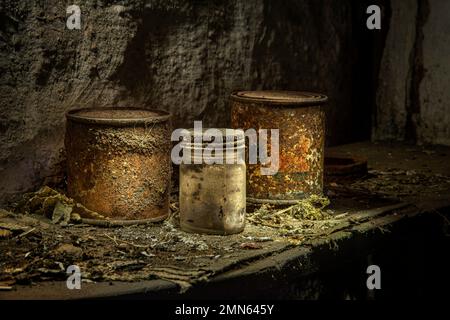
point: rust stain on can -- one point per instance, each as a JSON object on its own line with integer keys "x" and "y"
{"x": 300, "y": 117}
{"x": 118, "y": 161}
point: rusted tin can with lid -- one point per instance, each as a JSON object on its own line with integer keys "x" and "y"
{"x": 300, "y": 118}
{"x": 118, "y": 161}
{"x": 213, "y": 195}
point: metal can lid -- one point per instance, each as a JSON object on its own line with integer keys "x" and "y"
{"x": 279, "y": 97}
{"x": 117, "y": 116}
{"x": 209, "y": 134}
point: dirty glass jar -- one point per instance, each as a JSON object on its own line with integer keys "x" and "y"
{"x": 212, "y": 182}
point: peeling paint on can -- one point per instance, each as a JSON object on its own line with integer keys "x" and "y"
{"x": 118, "y": 161}
{"x": 300, "y": 117}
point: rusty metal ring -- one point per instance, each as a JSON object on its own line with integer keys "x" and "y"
{"x": 162, "y": 116}
{"x": 280, "y": 98}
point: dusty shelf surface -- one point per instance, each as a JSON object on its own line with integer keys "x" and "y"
{"x": 159, "y": 259}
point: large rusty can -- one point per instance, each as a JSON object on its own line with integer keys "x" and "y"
{"x": 300, "y": 119}
{"x": 212, "y": 193}
{"x": 118, "y": 161}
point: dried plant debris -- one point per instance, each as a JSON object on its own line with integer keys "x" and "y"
{"x": 311, "y": 208}
{"x": 56, "y": 206}
{"x": 295, "y": 222}
{"x": 45, "y": 234}
{"x": 38, "y": 242}
{"x": 126, "y": 254}
{"x": 64, "y": 210}
{"x": 5, "y": 233}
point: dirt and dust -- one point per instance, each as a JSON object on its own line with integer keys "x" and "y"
{"x": 49, "y": 231}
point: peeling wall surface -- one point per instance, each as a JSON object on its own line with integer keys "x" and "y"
{"x": 413, "y": 98}
{"x": 395, "y": 74}
{"x": 182, "y": 56}
{"x": 434, "y": 125}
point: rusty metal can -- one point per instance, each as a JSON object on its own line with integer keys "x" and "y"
{"x": 212, "y": 195}
{"x": 300, "y": 118}
{"x": 118, "y": 161}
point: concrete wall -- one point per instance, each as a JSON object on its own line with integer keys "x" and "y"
{"x": 434, "y": 125}
{"x": 181, "y": 56}
{"x": 394, "y": 82}
{"x": 413, "y": 98}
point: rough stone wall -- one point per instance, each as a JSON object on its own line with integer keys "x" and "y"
{"x": 434, "y": 125}
{"x": 413, "y": 99}
{"x": 181, "y": 56}
{"x": 395, "y": 75}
